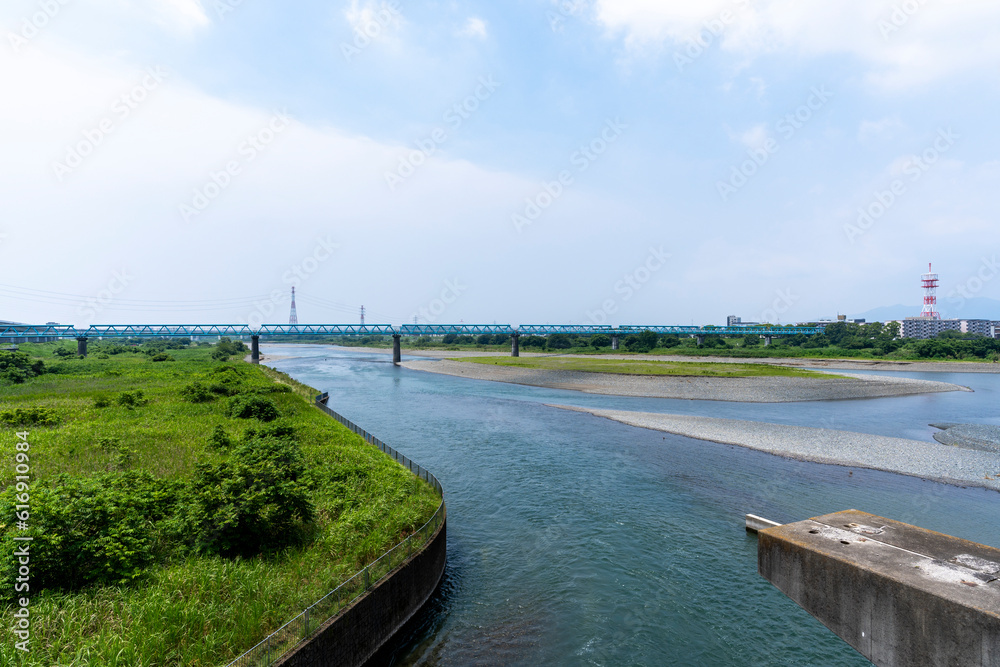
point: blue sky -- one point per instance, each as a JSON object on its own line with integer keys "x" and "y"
{"x": 533, "y": 161}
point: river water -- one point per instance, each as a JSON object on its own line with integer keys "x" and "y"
{"x": 575, "y": 540}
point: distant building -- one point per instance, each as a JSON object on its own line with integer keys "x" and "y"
{"x": 733, "y": 321}
{"x": 929, "y": 327}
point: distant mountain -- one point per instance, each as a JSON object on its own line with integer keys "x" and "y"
{"x": 976, "y": 308}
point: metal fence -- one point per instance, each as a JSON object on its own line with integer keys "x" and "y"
{"x": 288, "y": 636}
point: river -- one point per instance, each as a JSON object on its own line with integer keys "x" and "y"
{"x": 575, "y": 540}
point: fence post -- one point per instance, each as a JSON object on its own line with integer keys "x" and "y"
{"x": 305, "y": 629}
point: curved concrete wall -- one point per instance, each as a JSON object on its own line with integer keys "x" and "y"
{"x": 352, "y": 637}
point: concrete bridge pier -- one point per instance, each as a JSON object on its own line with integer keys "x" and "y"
{"x": 397, "y": 354}
{"x": 81, "y": 346}
{"x": 614, "y": 342}
{"x": 767, "y": 341}
{"x": 700, "y": 340}
{"x": 255, "y": 349}
{"x": 515, "y": 349}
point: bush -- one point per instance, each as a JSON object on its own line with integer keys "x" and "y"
{"x": 162, "y": 356}
{"x": 484, "y": 339}
{"x": 102, "y": 402}
{"x": 219, "y": 440}
{"x": 257, "y": 501}
{"x": 132, "y": 399}
{"x": 29, "y": 417}
{"x": 90, "y": 530}
{"x": 669, "y": 340}
{"x": 253, "y": 406}
{"x": 16, "y": 367}
{"x": 449, "y": 339}
{"x": 642, "y": 342}
{"x": 197, "y": 392}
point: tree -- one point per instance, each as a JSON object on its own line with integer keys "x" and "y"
{"x": 600, "y": 340}
{"x": 560, "y": 341}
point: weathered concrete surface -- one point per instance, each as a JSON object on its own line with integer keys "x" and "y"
{"x": 351, "y": 638}
{"x": 899, "y": 594}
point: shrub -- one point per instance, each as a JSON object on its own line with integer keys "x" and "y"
{"x": 90, "y": 530}
{"x": 253, "y": 406}
{"x": 196, "y": 392}
{"x": 16, "y": 367}
{"x": 29, "y": 417}
{"x": 257, "y": 501}
{"x": 162, "y": 356}
{"x": 219, "y": 440}
{"x": 102, "y": 402}
{"x": 132, "y": 399}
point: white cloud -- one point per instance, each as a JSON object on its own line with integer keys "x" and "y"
{"x": 474, "y": 27}
{"x": 902, "y": 49}
{"x": 186, "y": 15}
{"x": 883, "y": 128}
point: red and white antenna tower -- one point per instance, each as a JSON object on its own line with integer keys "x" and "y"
{"x": 293, "y": 317}
{"x": 930, "y": 284}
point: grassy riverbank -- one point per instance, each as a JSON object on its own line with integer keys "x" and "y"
{"x": 645, "y": 367}
{"x": 183, "y": 507}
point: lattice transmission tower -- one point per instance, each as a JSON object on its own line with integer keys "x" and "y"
{"x": 929, "y": 281}
{"x": 293, "y": 317}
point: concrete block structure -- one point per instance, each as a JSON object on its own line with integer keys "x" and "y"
{"x": 899, "y": 594}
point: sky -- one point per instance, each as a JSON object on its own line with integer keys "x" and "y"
{"x": 519, "y": 162}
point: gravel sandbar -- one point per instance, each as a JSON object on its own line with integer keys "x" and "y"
{"x": 747, "y": 389}
{"x": 928, "y": 460}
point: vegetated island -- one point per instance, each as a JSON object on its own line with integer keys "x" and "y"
{"x": 183, "y": 504}
{"x": 750, "y": 383}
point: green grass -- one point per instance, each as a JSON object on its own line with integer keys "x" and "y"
{"x": 196, "y": 610}
{"x": 643, "y": 367}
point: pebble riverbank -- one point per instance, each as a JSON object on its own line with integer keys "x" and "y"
{"x": 928, "y": 460}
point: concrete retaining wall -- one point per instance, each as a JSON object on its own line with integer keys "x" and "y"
{"x": 352, "y": 637}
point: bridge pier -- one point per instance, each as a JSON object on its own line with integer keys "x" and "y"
{"x": 515, "y": 349}
{"x": 700, "y": 340}
{"x": 767, "y": 341}
{"x": 614, "y": 342}
{"x": 255, "y": 349}
{"x": 81, "y": 346}
{"x": 397, "y": 354}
